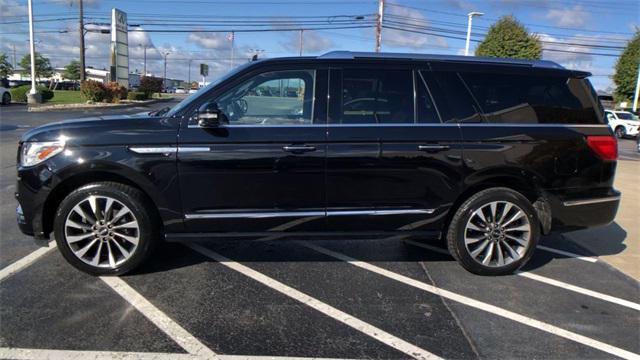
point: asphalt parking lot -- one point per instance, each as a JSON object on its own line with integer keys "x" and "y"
{"x": 387, "y": 298}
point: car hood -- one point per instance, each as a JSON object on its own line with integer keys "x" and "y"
{"x": 107, "y": 130}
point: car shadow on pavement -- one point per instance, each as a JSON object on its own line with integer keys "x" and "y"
{"x": 173, "y": 256}
{"x": 600, "y": 241}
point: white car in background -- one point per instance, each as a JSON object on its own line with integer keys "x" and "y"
{"x": 623, "y": 123}
{"x": 5, "y": 96}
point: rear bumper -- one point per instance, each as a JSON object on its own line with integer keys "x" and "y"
{"x": 584, "y": 211}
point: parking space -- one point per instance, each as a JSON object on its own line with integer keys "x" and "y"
{"x": 388, "y": 298}
{"x": 337, "y": 298}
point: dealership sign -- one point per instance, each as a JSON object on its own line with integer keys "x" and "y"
{"x": 119, "y": 48}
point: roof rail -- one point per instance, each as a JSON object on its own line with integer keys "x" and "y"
{"x": 348, "y": 55}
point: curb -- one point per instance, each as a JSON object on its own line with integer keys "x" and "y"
{"x": 66, "y": 107}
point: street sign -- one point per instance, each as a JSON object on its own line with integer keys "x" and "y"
{"x": 204, "y": 70}
{"x": 119, "y": 48}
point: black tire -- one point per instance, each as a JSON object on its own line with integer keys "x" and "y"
{"x": 147, "y": 225}
{"x": 458, "y": 227}
{"x": 6, "y": 98}
{"x": 621, "y": 132}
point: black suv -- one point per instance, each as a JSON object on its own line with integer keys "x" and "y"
{"x": 486, "y": 154}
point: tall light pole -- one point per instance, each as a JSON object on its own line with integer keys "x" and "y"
{"x": 33, "y": 93}
{"x": 165, "y": 54}
{"x": 379, "y": 25}
{"x": 470, "y": 15}
{"x": 144, "y": 64}
{"x": 301, "y": 40}
{"x": 189, "y": 76}
{"x": 635, "y": 98}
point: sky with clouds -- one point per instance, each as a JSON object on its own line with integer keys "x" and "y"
{"x": 580, "y": 34}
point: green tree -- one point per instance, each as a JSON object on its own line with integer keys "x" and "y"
{"x": 6, "y": 68}
{"x": 626, "y": 73}
{"x": 72, "y": 70}
{"x": 507, "y": 38}
{"x": 43, "y": 66}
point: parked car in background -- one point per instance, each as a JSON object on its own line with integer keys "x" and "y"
{"x": 5, "y": 96}
{"x": 181, "y": 90}
{"x": 623, "y": 123}
{"x": 485, "y": 154}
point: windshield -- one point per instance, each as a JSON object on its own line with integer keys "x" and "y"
{"x": 189, "y": 99}
{"x": 626, "y": 116}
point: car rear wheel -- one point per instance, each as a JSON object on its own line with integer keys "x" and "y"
{"x": 104, "y": 229}
{"x": 6, "y": 98}
{"x": 494, "y": 232}
{"x": 621, "y": 132}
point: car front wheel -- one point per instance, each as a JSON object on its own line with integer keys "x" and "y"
{"x": 104, "y": 229}
{"x": 494, "y": 232}
{"x": 621, "y": 132}
{"x": 6, "y": 98}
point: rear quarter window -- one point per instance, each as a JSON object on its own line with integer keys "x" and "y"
{"x": 533, "y": 99}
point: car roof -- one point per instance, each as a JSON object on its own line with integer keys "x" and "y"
{"x": 384, "y": 56}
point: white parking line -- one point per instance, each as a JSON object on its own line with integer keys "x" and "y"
{"x": 569, "y": 254}
{"x": 26, "y": 261}
{"x": 549, "y": 281}
{"x": 355, "y": 323}
{"x": 176, "y": 332}
{"x": 50, "y": 354}
{"x": 525, "y": 320}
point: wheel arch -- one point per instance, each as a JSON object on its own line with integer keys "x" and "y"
{"x": 517, "y": 180}
{"x": 80, "y": 178}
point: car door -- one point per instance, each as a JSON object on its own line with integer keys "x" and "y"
{"x": 391, "y": 164}
{"x": 263, "y": 170}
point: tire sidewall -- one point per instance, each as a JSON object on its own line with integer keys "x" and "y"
{"x": 145, "y": 224}
{"x": 466, "y": 211}
{"x": 620, "y": 132}
{"x": 6, "y": 99}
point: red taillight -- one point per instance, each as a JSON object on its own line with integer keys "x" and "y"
{"x": 606, "y": 147}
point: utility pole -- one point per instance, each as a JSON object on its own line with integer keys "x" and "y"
{"x": 15, "y": 64}
{"x": 301, "y": 40}
{"x": 635, "y": 98}
{"x": 33, "y": 96}
{"x": 164, "y": 83}
{"x": 232, "y": 38}
{"x": 470, "y": 15}
{"x": 189, "y": 76}
{"x": 144, "y": 64}
{"x": 379, "y": 25}
{"x": 82, "y": 65}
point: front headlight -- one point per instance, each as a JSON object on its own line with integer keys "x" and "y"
{"x": 33, "y": 153}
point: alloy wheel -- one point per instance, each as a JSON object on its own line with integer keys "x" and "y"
{"x": 497, "y": 234}
{"x": 102, "y": 232}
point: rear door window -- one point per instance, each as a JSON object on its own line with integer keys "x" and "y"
{"x": 374, "y": 96}
{"x": 532, "y": 99}
{"x": 452, "y": 98}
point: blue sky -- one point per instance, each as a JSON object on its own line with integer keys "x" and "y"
{"x": 587, "y": 33}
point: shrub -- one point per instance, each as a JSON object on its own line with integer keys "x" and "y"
{"x": 150, "y": 85}
{"x": 115, "y": 92}
{"x": 19, "y": 94}
{"x": 136, "y": 95}
{"x": 93, "y": 91}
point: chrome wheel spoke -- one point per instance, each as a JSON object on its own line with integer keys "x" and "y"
{"x": 512, "y": 253}
{"x": 472, "y": 226}
{"x": 470, "y": 240}
{"x": 75, "y": 238}
{"x": 480, "y": 213}
{"x": 505, "y": 212}
{"x": 500, "y": 255}
{"x": 479, "y": 249}
{"x": 93, "y": 234}
{"x": 494, "y": 211}
{"x": 521, "y": 242}
{"x": 131, "y": 239}
{"x": 515, "y": 217}
{"x": 524, "y": 227}
{"x": 488, "y": 254}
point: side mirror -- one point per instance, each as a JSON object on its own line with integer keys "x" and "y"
{"x": 209, "y": 116}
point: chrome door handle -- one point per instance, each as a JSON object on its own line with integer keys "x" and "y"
{"x": 298, "y": 148}
{"x": 433, "y": 148}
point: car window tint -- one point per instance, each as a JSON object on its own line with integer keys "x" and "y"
{"x": 452, "y": 97}
{"x": 271, "y": 98}
{"x": 425, "y": 109}
{"x": 526, "y": 99}
{"x": 371, "y": 96}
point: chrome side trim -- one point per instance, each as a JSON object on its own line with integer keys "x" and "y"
{"x": 379, "y": 212}
{"x": 273, "y": 214}
{"x": 591, "y": 201}
{"x": 254, "y": 215}
{"x": 571, "y": 126}
{"x": 193, "y": 149}
{"x": 153, "y": 149}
